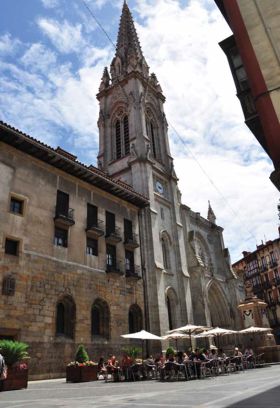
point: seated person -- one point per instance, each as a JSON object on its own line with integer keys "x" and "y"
{"x": 213, "y": 355}
{"x": 101, "y": 368}
{"x": 248, "y": 352}
{"x": 126, "y": 364}
{"x": 113, "y": 367}
{"x": 149, "y": 366}
{"x": 221, "y": 354}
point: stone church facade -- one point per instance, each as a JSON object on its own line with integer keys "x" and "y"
{"x": 87, "y": 253}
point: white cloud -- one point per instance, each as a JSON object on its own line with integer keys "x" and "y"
{"x": 38, "y": 57}
{"x": 8, "y": 45}
{"x": 48, "y": 98}
{"x": 50, "y": 3}
{"x": 65, "y": 37}
{"x": 180, "y": 43}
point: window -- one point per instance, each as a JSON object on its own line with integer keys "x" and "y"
{"x": 92, "y": 246}
{"x": 16, "y": 205}
{"x": 110, "y": 223}
{"x": 111, "y": 255}
{"x": 62, "y": 203}
{"x": 129, "y": 261}
{"x": 11, "y": 247}
{"x": 165, "y": 253}
{"x": 169, "y": 313}
{"x": 8, "y": 286}
{"x": 150, "y": 128}
{"x": 92, "y": 212}
{"x": 135, "y": 319}
{"x": 122, "y": 147}
{"x": 100, "y": 319}
{"x": 65, "y": 317}
{"x": 128, "y": 234}
{"x": 60, "y": 237}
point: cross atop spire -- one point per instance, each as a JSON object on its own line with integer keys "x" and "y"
{"x": 211, "y": 215}
{"x": 129, "y": 56}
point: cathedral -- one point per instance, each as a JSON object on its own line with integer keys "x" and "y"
{"x": 89, "y": 253}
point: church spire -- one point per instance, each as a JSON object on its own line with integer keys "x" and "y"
{"x": 129, "y": 56}
{"x": 211, "y": 215}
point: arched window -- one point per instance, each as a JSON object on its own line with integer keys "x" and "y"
{"x": 165, "y": 253}
{"x": 152, "y": 134}
{"x": 100, "y": 319}
{"x": 170, "y": 323}
{"x": 118, "y": 140}
{"x": 122, "y": 145}
{"x": 135, "y": 319}
{"x": 65, "y": 317}
{"x": 171, "y": 306}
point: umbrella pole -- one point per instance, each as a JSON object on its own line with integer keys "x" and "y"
{"x": 142, "y": 351}
{"x": 190, "y": 335}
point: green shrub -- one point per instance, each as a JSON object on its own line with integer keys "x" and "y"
{"x": 13, "y": 351}
{"x": 81, "y": 354}
{"x": 169, "y": 351}
{"x": 133, "y": 352}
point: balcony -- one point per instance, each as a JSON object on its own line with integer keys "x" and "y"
{"x": 95, "y": 230}
{"x": 113, "y": 237}
{"x": 131, "y": 241}
{"x": 64, "y": 218}
{"x": 273, "y": 263}
{"x": 114, "y": 267}
{"x": 133, "y": 272}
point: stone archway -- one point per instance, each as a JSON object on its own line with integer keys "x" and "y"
{"x": 219, "y": 313}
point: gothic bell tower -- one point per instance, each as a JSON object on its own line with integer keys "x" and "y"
{"x": 132, "y": 123}
{"x": 134, "y": 148}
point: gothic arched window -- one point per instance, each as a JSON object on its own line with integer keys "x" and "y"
{"x": 151, "y": 130}
{"x": 165, "y": 252}
{"x": 100, "y": 319}
{"x": 169, "y": 312}
{"x": 135, "y": 319}
{"x": 121, "y": 140}
{"x": 65, "y": 317}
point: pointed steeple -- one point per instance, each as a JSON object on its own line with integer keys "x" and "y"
{"x": 105, "y": 80}
{"x": 129, "y": 56}
{"x": 211, "y": 215}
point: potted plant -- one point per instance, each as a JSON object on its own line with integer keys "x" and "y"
{"x": 82, "y": 369}
{"x": 15, "y": 355}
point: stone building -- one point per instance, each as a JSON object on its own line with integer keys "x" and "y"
{"x": 261, "y": 269}
{"x": 88, "y": 254}
{"x": 254, "y": 58}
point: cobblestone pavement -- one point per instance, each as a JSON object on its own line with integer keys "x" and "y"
{"x": 256, "y": 388}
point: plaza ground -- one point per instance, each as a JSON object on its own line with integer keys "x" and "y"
{"x": 253, "y": 388}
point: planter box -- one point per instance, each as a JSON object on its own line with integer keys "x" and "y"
{"x": 16, "y": 379}
{"x": 81, "y": 374}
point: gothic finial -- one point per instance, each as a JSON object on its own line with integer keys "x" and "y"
{"x": 105, "y": 80}
{"x": 129, "y": 56}
{"x": 211, "y": 215}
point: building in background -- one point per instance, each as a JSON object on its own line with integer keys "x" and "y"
{"x": 253, "y": 53}
{"x": 261, "y": 269}
{"x": 88, "y": 254}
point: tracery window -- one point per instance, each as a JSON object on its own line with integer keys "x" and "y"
{"x": 121, "y": 136}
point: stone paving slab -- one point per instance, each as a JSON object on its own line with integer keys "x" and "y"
{"x": 253, "y": 388}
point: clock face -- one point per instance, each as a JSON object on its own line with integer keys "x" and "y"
{"x": 159, "y": 187}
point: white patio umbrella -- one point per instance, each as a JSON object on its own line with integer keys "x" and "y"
{"x": 175, "y": 336}
{"x": 255, "y": 330}
{"x": 189, "y": 329}
{"x": 141, "y": 335}
{"x": 216, "y": 332}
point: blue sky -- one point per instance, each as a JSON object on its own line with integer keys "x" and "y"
{"x": 52, "y": 55}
